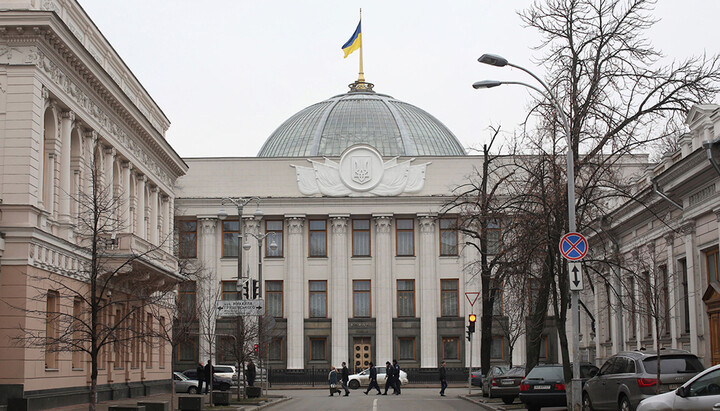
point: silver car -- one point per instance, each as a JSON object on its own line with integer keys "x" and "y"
{"x": 185, "y": 384}
{"x": 701, "y": 393}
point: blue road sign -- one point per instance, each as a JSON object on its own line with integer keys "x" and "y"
{"x": 573, "y": 246}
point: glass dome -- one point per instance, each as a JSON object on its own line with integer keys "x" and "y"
{"x": 393, "y": 127}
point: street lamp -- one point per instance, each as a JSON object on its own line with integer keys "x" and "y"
{"x": 499, "y": 61}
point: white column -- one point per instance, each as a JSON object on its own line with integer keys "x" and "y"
{"x": 154, "y": 207}
{"x": 673, "y": 291}
{"x": 383, "y": 289}
{"x": 68, "y": 117}
{"x": 165, "y": 223}
{"x": 339, "y": 288}
{"x": 90, "y": 141}
{"x": 140, "y": 207}
{"x": 207, "y": 289}
{"x": 654, "y": 286}
{"x": 428, "y": 290}
{"x": 619, "y": 295}
{"x": 688, "y": 230}
{"x": 294, "y": 286}
{"x": 124, "y": 217}
{"x": 109, "y": 169}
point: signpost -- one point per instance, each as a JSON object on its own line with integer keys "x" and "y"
{"x": 235, "y": 308}
{"x": 472, "y": 297}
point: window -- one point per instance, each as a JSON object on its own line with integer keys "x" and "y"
{"x": 226, "y": 350}
{"x": 608, "y": 313}
{"x": 318, "y": 238}
{"x": 188, "y": 239}
{"x": 712, "y": 265}
{"x": 318, "y": 299}
{"x": 275, "y": 229}
{"x": 633, "y": 307}
{"x": 51, "y": 329}
{"x": 544, "y": 352}
{"x": 448, "y": 236}
{"x": 406, "y": 348}
{"x": 78, "y": 318}
{"x": 648, "y": 295}
{"x": 274, "y": 298}
{"x": 186, "y": 351}
{"x": 685, "y": 297}
{"x": 275, "y": 351}
{"x": 229, "y": 290}
{"x": 449, "y": 298}
{"x": 406, "y": 298}
{"x": 493, "y": 237}
{"x": 405, "y": 236}
{"x": 134, "y": 343}
{"x": 497, "y": 308}
{"x": 497, "y": 349}
{"x": 186, "y": 296}
{"x": 451, "y": 348}
{"x": 149, "y": 341}
{"x": 317, "y": 349}
{"x": 361, "y": 238}
{"x": 231, "y": 231}
{"x": 705, "y": 385}
{"x": 161, "y": 349}
{"x": 361, "y": 298}
{"x": 665, "y": 299}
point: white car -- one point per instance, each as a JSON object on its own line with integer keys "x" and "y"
{"x": 702, "y": 392}
{"x": 226, "y": 371}
{"x": 362, "y": 379}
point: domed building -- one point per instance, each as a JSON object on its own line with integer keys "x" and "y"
{"x": 356, "y": 264}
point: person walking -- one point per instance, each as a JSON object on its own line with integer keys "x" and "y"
{"x": 373, "y": 380}
{"x": 250, "y": 373}
{"x": 443, "y": 378}
{"x": 345, "y": 374}
{"x": 332, "y": 380}
{"x": 389, "y": 372}
{"x": 200, "y": 371}
{"x": 209, "y": 371}
{"x": 396, "y": 378}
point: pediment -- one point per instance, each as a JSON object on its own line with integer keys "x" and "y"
{"x": 712, "y": 294}
{"x": 698, "y": 111}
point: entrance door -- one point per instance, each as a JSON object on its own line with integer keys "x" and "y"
{"x": 362, "y": 355}
{"x": 715, "y": 337}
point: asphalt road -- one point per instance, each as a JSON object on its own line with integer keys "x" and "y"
{"x": 412, "y": 399}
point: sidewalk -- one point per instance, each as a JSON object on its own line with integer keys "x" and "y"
{"x": 103, "y": 406}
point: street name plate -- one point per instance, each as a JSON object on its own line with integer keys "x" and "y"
{"x": 234, "y": 308}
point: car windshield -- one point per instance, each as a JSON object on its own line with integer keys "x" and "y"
{"x": 380, "y": 370}
{"x": 677, "y": 364}
{"x": 515, "y": 372}
{"x": 547, "y": 373}
{"x": 223, "y": 369}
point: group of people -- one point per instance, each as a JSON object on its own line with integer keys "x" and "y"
{"x": 344, "y": 378}
{"x": 204, "y": 375}
{"x": 392, "y": 374}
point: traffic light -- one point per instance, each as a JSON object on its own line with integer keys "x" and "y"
{"x": 471, "y": 327}
{"x": 246, "y": 290}
{"x": 255, "y": 289}
{"x": 255, "y": 348}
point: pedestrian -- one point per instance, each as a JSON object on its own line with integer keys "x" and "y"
{"x": 200, "y": 371}
{"x": 250, "y": 373}
{"x": 396, "y": 378}
{"x": 345, "y": 378}
{"x": 389, "y": 371}
{"x": 209, "y": 371}
{"x": 333, "y": 380}
{"x": 443, "y": 378}
{"x": 373, "y": 380}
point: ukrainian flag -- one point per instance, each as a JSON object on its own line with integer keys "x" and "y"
{"x": 355, "y": 41}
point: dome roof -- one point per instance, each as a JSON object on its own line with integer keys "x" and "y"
{"x": 393, "y": 127}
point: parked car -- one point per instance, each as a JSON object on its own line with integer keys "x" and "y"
{"x": 628, "y": 377}
{"x": 219, "y": 383}
{"x": 362, "y": 379}
{"x": 507, "y": 384}
{"x": 493, "y": 372}
{"x": 184, "y": 384}
{"x": 226, "y": 371}
{"x": 544, "y": 385}
{"x": 700, "y": 393}
{"x": 476, "y": 378}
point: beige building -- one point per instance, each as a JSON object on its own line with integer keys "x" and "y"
{"x": 66, "y": 99}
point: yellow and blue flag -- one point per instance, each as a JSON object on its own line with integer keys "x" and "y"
{"x": 355, "y": 41}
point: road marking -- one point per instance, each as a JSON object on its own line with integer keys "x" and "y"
{"x": 375, "y": 405}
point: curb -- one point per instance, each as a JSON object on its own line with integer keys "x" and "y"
{"x": 273, "y": 403}
{"x": 480, "y": 404}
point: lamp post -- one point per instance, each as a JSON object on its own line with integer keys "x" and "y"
{"x": 499, "y": 61}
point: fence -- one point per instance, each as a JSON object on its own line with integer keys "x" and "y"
{"x": 318, "y": 377}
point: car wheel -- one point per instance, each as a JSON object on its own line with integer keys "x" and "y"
{"x": 192, "y": 390}
{"x": 586, "y": 404}
{"x": 354, "y": 384}
{"x": 484, "y": 394}
{"x": 508, "y": 400}
{"x": 625, "y": 404}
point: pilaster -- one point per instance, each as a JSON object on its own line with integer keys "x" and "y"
{"x": 295, "y": 285}
{"x": 339, "y": 288}
{"x": 688, "y": 230}
{"x": 207, "y": 287}
{"x": 428, "y": 292}
{"x": 66, "y": 124}
{"x": 383, "y": 288}
{"x": 674, "y": 288}
{"x": 140, "y": 206}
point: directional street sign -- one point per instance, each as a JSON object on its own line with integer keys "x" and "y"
{"x": 234, "y": 308}
{"x": 573, "y": 246}
{"x": 576, "y": 277}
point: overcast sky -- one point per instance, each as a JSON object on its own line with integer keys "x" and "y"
{"x": 227, "y": 73}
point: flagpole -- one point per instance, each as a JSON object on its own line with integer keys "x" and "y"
{"x": 361, "y": 76}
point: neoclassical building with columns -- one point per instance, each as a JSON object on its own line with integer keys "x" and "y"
{"x": 68, "y": 102}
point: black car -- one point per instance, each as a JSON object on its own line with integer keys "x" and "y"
{"x": 507, "y": 385}
{"x": 477, "y": 378}
{"x": 219, "y": 383}
{"x": 544, "y": 386}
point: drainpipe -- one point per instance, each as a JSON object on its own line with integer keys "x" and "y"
{"x": 708, "y": 150}
{"x": 657, "y": 191}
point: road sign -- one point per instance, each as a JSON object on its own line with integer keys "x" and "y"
{"x": 474, "y": 295}
{"x": 234, "y": 308}
{"x": 573, "y": 246}
{"x": 576, "y": 277}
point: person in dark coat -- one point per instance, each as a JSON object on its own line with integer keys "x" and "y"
{"x": 208, "y": 375}
{"x": 250, "y": 373}
{"x": 389, "y": 375}
{"x": 396, "y": 378}
{"x": 373, "y": 380}
{"x": 345, "y": 378}
{"x": 333, "y": 380}
{"x": 200, "y": 371}
{"x": 443, "y": 378}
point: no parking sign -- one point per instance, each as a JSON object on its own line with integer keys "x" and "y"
{"x": 573, "y": 246}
